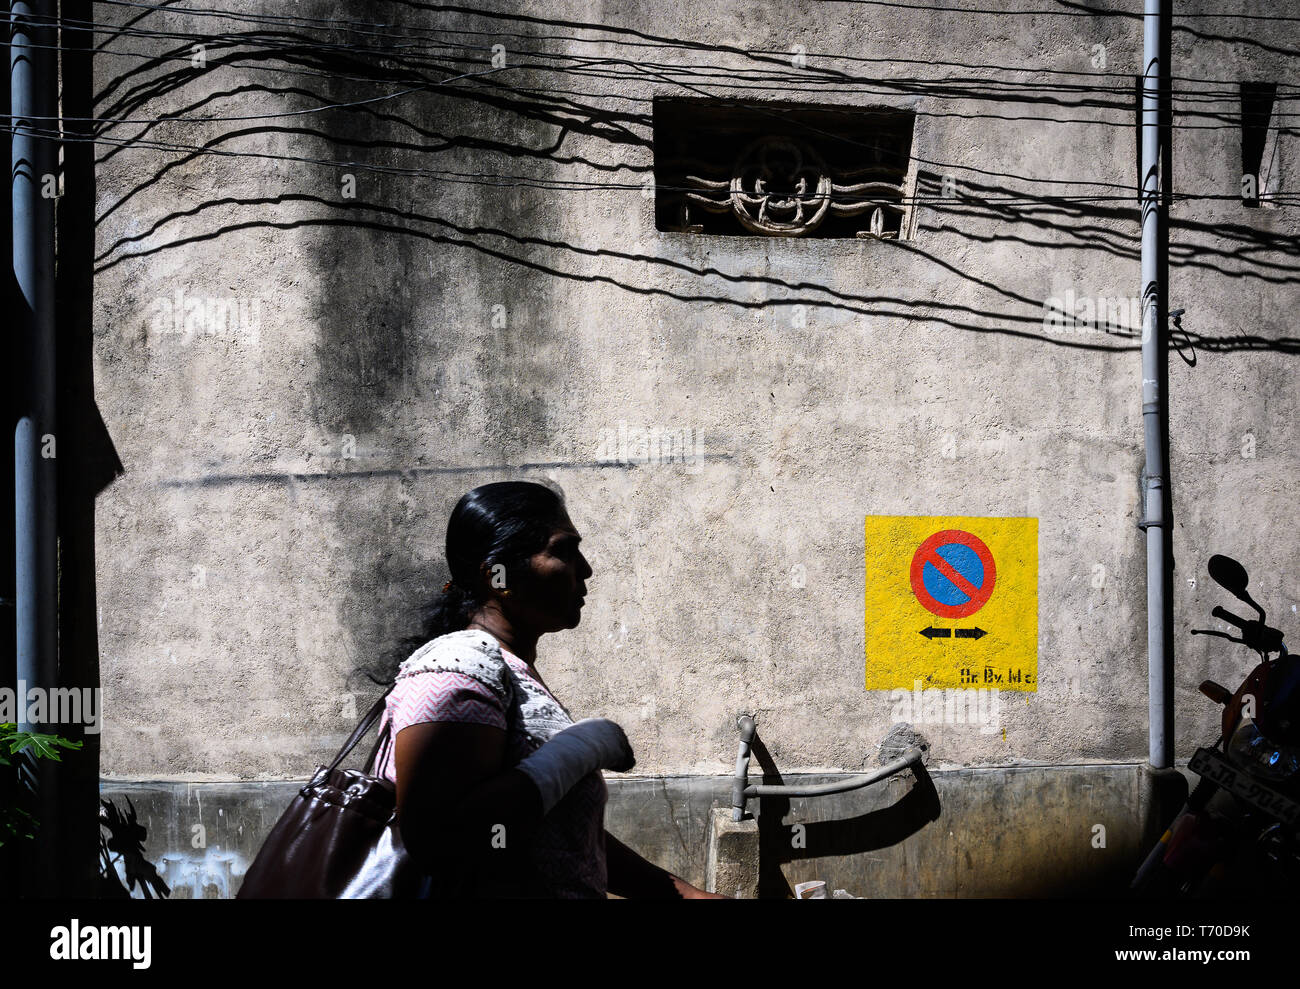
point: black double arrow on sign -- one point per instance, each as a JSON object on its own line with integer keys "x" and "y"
{"x": 948, "y": 633}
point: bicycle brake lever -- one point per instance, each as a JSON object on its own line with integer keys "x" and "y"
{"x": 1221, "y": 635}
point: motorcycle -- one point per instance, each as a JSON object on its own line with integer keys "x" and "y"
{"x": 1239, "y": 831}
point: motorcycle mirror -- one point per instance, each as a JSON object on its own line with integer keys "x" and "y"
{"x": 1231, "y": 576}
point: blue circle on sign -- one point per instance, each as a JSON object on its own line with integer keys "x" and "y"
{"x": 965, "y": 561}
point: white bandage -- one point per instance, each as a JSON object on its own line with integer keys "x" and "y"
{"x": 569, "y": 755}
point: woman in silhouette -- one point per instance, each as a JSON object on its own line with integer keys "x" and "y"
{"x": 499, "y": 792}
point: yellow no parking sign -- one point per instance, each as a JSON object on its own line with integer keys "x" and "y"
{"x": 951, "y": 601}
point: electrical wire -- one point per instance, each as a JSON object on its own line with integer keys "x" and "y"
{"x": 1133, "y": 15}
{"x": 573, "y": 185}
{"x": 995, "y": 88}
{"x": 298, "y": 45}
{"x": 300, "y": 21}
{"x": 908, "y": 85}
{"x": 263, "y": 116}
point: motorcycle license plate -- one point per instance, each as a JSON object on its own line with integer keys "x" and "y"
{"x": 1215, "y": 768}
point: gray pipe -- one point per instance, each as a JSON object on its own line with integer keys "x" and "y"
{"x": 909, "y": 758}
{"x": 1160, "y": 707}
{"x": 747, "y": 725}
{"x": 32, "y": 80}
{"x": 742, "y": 789}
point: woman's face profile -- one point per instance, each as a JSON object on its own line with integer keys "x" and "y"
{"x": 548, "y": 595}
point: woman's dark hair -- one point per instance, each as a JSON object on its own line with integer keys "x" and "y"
{"x": 503, "y": 523}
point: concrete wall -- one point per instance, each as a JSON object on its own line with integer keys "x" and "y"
{"x": 288, "y": 479}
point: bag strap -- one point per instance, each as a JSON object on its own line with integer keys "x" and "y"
{"x": 366, "y": 724}
{"x": 372, "y": 764}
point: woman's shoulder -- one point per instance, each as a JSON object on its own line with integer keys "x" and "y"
{"x": 469, "y": 653}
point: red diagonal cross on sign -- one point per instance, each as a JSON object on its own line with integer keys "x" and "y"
{"x": 948, "y": 570}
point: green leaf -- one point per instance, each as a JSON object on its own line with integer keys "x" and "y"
{"x": 42, "y": 746}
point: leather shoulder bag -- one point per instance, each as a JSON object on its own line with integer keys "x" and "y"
{"x": 339, "y": 837}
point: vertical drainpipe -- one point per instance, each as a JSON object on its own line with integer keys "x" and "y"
{"x": 32, "y": 97}
{"x": 1160, "y": 707}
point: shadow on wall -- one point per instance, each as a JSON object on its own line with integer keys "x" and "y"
{"x": 840, "y": 838}
{"x": 374, "y": 334}
{"x": 366, "y": 344}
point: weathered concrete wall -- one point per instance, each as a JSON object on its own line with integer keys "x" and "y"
{"x": 1069, "y": 830}
{"x": 288, "y": 479}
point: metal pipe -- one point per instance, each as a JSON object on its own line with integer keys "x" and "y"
{"x": 1160, "y": 708}
{"x": 909, "y": 758}
{"x": 742, "y": 789}
{"x": 747, "y": 725}
{"x": 33, "y": 81}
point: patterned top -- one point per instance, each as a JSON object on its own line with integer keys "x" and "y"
{"x": 467, "y": 677}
